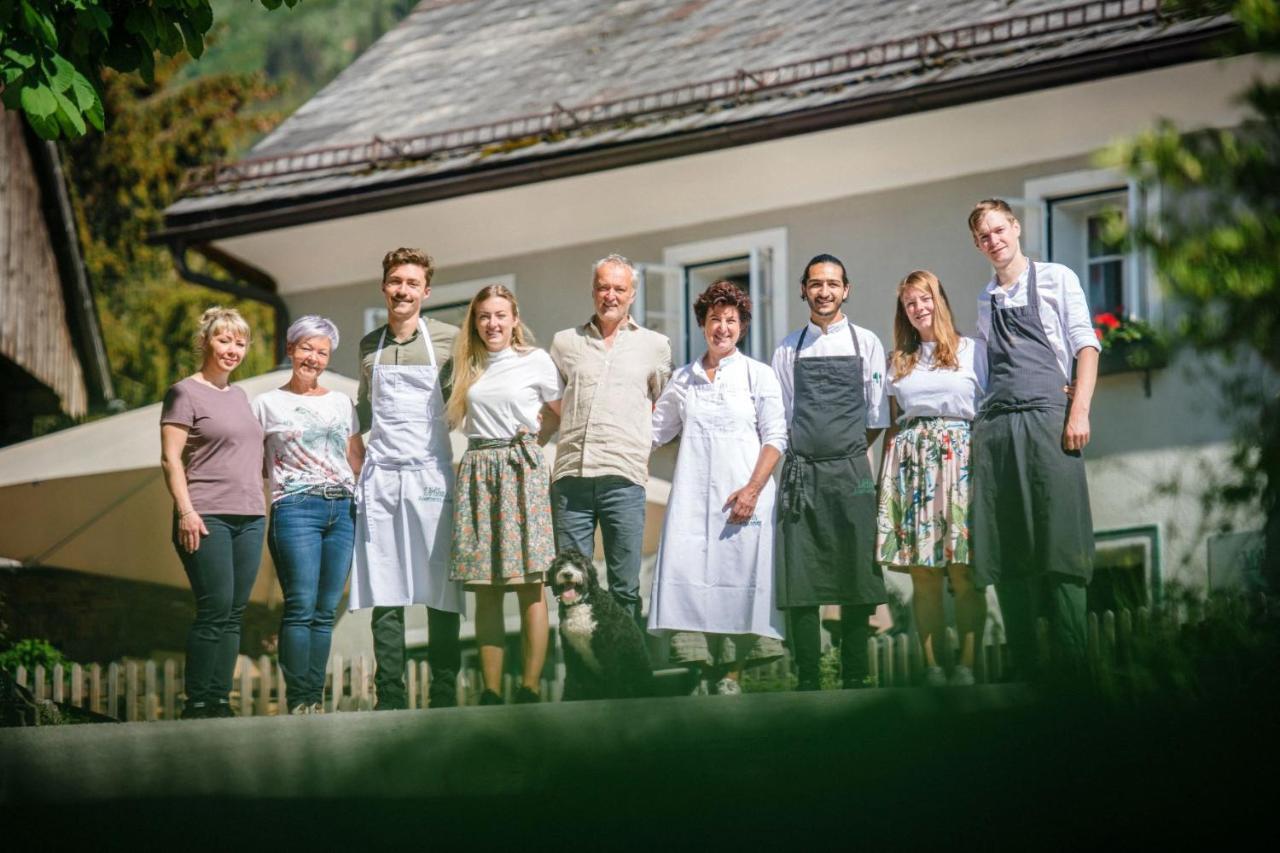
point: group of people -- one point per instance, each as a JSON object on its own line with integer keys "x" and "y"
{"x": 982, "y": 480}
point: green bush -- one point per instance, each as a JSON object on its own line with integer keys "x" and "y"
{"x": 31, "y": 653}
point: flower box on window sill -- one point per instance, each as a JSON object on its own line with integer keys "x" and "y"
{"x": 1127, "y": 356}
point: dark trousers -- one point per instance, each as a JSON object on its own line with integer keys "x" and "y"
{"x": 221, "y": 571}
{"x": 806, "y": 644}
{"x": 578, "y": 504}
{"x": 444, "y": 656}
{"x": 1060, "y": 600}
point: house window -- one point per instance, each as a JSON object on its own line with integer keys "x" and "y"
{"x": 753, "y": 262}
{"x": 1082, "y": 235}
{"x": 1126, "y": 569}
{"x": 447, "y": 302}
{"x": 1073, "y": 219}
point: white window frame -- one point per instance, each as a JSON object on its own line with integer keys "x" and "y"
{"x": 737, "y": 245}
{"x": 1141, "y": 295}
{"x": 447, "y": 293}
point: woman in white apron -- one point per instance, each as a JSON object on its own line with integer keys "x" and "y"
{"x": 713, "y": 583}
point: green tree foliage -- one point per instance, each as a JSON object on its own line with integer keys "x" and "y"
{"x": 53, "y": 52}
{"x": 1216, "y": 247}
{"x": 121, "y": 182}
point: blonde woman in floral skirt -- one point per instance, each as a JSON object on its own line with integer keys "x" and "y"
{"x": 502, "y": 535}
{"x": 935, "y": 382}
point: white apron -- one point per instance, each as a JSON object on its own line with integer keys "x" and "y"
{"x": 711, "y": 575}
{"x": 404, "y": 499}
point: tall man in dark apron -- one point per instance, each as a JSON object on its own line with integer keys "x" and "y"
{"x": 1032, "y": 528}
{"x": 833, "y": 388}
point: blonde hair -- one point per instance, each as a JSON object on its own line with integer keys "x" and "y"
{"x": 218, "y": 319}
{"x": 906, "y": 340}
{"x": 988, "y": 205}
{"x": 471, "y": 359}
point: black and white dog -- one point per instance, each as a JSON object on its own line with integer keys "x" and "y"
{"x": 604, "y": 650}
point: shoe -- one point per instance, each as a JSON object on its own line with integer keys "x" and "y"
{"x": 934, "y": 677}
{"x": 196, "y": 711}
{"x": 700, "y": 688}
{"x": 728, "y": 687}
{"x": 222, "y": 709}
{"x": 392, "y": 702}
{"x": 315, "y": 708}
{"x": 300, "y": 709}
{"x": 488, "y": 697}
{"x": 962, "y": 676}
{"x": 443, "y": 691}
{"x": 527, "y": 696}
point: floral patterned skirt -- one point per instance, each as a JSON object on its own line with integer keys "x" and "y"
{"x": 924, "y": 497}
{"x": 502, "y": 515}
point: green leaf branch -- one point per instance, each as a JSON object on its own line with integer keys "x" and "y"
{"x": 53, "y": 53}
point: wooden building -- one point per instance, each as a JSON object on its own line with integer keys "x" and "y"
{"x": 51, "y": 354}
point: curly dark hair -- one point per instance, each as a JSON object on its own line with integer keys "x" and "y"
{"x": 723, "y": 292}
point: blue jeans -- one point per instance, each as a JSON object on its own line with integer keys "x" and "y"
{"x": 617, "y": 504}
{"x": 222, "y": 571}
{"x": 311, "y": 542}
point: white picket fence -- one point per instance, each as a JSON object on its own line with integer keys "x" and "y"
{"x": 136, "y": 690}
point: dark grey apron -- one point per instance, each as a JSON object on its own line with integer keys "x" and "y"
{"x": 827, "y": 507}
{"x": 1030, "y": 497}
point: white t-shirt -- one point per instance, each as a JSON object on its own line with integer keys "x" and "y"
{"x": 510, "y": 393}
{"x": 836, "y": 341}
{"x": 306, "y": 440}
{"x": 929, "y": 392}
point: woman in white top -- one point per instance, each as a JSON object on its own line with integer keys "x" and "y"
{"x": 935, "y": 382}
{"x": 313, "y": 455}
{"x": 502, "y": 535}
{"x": 713, "y": 582}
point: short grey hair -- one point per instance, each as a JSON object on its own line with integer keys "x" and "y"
{"x": 615, "y": 258}
{"x": 311, "y": 326}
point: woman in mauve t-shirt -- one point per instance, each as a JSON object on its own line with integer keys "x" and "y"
{"x": 211, "y": 454}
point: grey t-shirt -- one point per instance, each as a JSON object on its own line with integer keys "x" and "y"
{"x": 223, "y": 455}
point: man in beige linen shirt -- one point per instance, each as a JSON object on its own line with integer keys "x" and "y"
{"x": 613, "y": 371}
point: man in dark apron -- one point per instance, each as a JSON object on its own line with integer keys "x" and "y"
{"x": 833, "y": 388}
{"x": 1032, "y": 528}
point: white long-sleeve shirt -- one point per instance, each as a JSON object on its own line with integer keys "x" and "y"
{"x": 1064, "y": 312}
{"x": 836, "y": 341}
{"x": 737, "y": 372}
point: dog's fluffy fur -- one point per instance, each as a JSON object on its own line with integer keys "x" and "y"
{"x": 604, "y": 650}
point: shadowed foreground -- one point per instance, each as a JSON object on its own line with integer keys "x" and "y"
{"x": 986, "y": 766}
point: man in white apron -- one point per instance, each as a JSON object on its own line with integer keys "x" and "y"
{"x": 404, "y": 499}
{"x": 1032, "y": 528}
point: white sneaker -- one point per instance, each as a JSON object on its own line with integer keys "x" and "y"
{"x": 934, "y": 677}
{"x": 316, "y": 708}
{"x": 728, "y": 687}
{"x": 700, "y": 689}
{"x": 300, "y": 709}
{"x": 962, "y": 676}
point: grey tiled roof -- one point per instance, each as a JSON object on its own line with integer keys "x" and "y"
{"x": 459, "y": 63}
